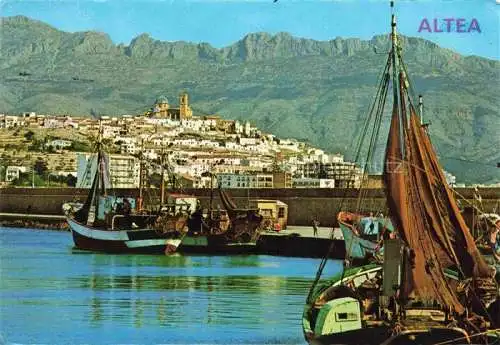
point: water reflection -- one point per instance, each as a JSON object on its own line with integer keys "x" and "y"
{"x": 96, "y": 313}
{"x": 247, "y": 284}
{"x": 108, "y": 298}
{"x": 128, "y": 292}
{"x": 188, "y": 299}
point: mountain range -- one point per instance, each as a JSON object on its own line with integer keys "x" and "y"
{"x": 317, "y": 91}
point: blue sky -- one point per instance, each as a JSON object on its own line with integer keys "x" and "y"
{"x": 222, "y": 22}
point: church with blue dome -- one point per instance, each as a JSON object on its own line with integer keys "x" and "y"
{"x": 162, "y": 108}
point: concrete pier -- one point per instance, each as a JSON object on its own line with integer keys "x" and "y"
{"x": 304, "y": 204}
{"x": 307, "y": 231}
{"x": 300, "y": 241}
{"x": 6, "y": 215}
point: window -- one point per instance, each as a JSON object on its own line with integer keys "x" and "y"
{"x": 281, "y": 212}
{"x": 342, "y": 317}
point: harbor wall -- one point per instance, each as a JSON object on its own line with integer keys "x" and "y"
{"x": 303, "y": 204}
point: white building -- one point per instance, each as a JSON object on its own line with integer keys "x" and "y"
{"x": 123, "y": 171}
{"x": 59, "y": 144}
{"x": 247, "y": 129}
{"x": 329, "y": 158}
{"x": 128, "y": 145}
{"x": 53, "y": 122}
{"x": 162, "y": 122}
{"x": 13, "y": 172}
{"x": 304, "y": 182}
{"x": 290, "y": 144}
{"x": 202, "y": 182}
{"x": 345, "y": 174}
{"x": 199, "y": 125}
{"x": 10, "y": 121}
{"x": 128, "y": 148}
{"x": 257, "y": 180}
{"x": 248, "y": 141}
{"x": 110, "y": 131}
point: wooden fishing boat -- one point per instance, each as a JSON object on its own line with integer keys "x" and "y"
{"x": 411, "y": 299}
{"x": 363, "y": 234}
{"x": 228, "y": 230}
{"x": 107, "y": 223}
{"x": 343, "y": 284}
{"x": 333, "y": 316}
{"x": 143, "y": 239}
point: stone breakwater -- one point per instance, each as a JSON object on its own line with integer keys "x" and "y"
{"x": 32, "y": 224}
{"x": 303, "y": 204}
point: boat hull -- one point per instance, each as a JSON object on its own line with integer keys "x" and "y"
{"x": 422, "y": 336}
{"x": 298, "y": 246}
{"x": 215, "y": 244}
{"x": 381, "y": 334}
{"x": 147, "y": 241}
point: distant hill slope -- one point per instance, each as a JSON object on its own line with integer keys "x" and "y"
{"x": 292, "y": 87}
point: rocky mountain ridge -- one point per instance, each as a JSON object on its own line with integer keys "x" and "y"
{"x": 294, "y": 87}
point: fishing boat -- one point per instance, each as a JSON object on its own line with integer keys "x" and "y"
{"x": 364, "y": 234}
{"x": 107, "y": 223}
{"x": 345, "y": 283}
{"x": 412, "y": 298}
{"x": 227, "y": 230}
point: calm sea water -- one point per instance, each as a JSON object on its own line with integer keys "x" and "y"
{"x": 53, "y": 294}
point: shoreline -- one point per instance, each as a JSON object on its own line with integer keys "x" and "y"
{"x": 59, "y": 226}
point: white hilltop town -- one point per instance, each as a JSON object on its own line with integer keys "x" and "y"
{"x": 196, "y": 150}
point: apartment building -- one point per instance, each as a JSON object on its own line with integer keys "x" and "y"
{"x": 305, "y": 182}
{"x": 13, "y": 172}
{"x": 345, "y": 174}
{"x": 255, "y": 180}
{"x": 123, "y": 171}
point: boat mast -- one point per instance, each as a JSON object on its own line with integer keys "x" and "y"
{"x": 142, "y": 177}
{"x": 162, "y": 185}
{"x": 397, "y": 103}
{"x": 421, "y": 108}
{"x": 210, "y": 205}
{"x": 394, "y": 58}
{"x": 98, "y": 179}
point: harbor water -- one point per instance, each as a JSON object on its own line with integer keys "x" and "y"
{"x": 51, "y": 293}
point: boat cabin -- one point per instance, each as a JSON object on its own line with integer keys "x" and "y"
{"x": 275, "y": 211}
{"x": 180, "y": 203}
{"x": 218, "y": 220}
{"x": 111, "y": 212}
{"x": 113, "y": 204}
{"x": 372, "y": 228}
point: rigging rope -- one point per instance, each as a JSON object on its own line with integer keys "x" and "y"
{"x": 375, "y": 105}
{"x": 420, "y": 237}
{"x": 452, "y": 341}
